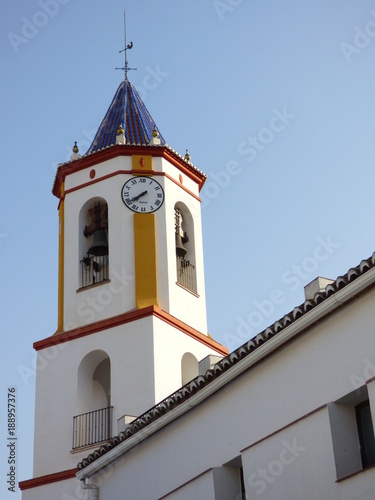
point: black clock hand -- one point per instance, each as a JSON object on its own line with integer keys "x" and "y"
{"x": 138, "y": 196}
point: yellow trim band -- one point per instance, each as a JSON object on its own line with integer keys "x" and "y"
{"x": 145, "y": 260}
{"x": 60, "y": 309}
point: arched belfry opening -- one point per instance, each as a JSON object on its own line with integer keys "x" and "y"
{"x": 185, "y": 247}
{"x": 93, "y": 422}
{"x": 93, "y": 238}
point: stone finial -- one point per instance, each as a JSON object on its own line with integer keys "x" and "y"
{"x": 120, "y": 136}
{"x": 187, "y": 156}
{"x": 75, "y": 155}
{"x": 155, "y": 140}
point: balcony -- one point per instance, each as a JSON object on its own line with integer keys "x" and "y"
{"x": 186, "y": 274}
{"x": 92, "y": 428}
{"x": 94, "y": 269}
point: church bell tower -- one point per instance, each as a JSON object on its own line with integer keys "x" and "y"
{"x": 131, "y": 296}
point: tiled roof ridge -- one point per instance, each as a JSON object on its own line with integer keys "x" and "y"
{"x": 143, "y": 113}
{"x": 104, "y": 120}
{"x": 195, "y": 385}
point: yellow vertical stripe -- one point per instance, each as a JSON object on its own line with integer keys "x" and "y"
{"x": 145, "y": 260}
{"x": 60, "y": 311}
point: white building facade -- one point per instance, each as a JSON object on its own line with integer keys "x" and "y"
{"x": 286, "y": 416}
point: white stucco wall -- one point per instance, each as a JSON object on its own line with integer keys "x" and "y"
{"x": 201, "y": 487}
{"x": 69, "y": 489}
{"x": 145, "y": 359}
{"x": 294, "y": 463}
{"x": 130, "y": 349}
{"x": 170, "y": 345}
{"x": 180, "y": 303}
{"x": 108, "y": 299}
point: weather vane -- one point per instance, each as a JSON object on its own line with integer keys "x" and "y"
{"x": 126, "y": 68}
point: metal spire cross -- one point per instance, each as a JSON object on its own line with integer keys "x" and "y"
{"x": 126, "y": 68}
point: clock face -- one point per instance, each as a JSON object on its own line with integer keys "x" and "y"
{"x": 142, "y": 194}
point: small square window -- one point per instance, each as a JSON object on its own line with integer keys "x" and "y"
{"x": 352, "y": 433}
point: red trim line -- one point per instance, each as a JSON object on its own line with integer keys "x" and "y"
{"x": 184, "y": 484}
{"x": 176, "y": 323}
{"x": 284, "y": 427}
{"x": 94, "y": 181}
{"x": 119, "y": 172}
{"x": 48, "y": 479}
{"x": 181, "y": 186}
{"x": 105, "y": 324}
{"x": 127, "y": 150}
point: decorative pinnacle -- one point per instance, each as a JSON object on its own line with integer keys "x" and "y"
{"x": 187, "y": 156}
{"x": 75, "y": 155}
{"x": 120, "y": 135}
{"x": 155, "y": 139}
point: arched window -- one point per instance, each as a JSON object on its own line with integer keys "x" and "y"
{"x": 185, "y": 247}
{"x": 93, "y": 424}
{"x": 189, "y": 367}
{"x": 93, "y": 238}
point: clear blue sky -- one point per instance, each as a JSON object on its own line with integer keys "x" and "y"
{"x": 276, "y": 103}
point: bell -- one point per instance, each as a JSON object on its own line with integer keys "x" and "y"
{"x": 99, "y": 246}
{"x": 180, "y": 249}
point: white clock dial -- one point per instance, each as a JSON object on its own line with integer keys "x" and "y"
{"x": 142, "y": 194}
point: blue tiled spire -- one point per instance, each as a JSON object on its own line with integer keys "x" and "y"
{"x": 126, "y": 109}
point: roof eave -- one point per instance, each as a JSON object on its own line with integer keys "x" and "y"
{"x": 126, "y": 150}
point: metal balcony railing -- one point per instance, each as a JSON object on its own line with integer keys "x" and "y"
{"x": 92, "y": 427}
{"x": 94, "y": 269}
{"x": 186, "y": 274}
